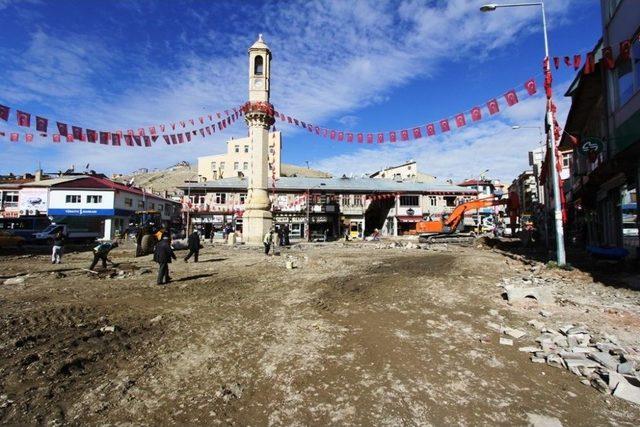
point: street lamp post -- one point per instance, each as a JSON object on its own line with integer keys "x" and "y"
{"x": 560, "y": 251}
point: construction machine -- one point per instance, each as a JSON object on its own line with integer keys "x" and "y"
{"x": 147, "y": 228}
{"x": 447, "y": 226}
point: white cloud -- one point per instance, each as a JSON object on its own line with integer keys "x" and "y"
{"x": 331, "y": 58}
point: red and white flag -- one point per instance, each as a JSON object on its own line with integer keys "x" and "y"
{"x": 115, "y": 139}
{"x": 493, "y": 106}
{"x": 141, "y": 132}
{"x": 417, "y": 133}
{"x": 369, "y": 138}
{"x": 14, "y": 137}
{"x": 380, "y": 138}
{"x": 56, "y": 137}
{"x": 392, "y": 136}
{"x": 340, "y": 136}
{"x": 162, "y": 127}
{"x": 192, "y": 122}
{"x": 152, "y": 130}
{"x": 332, "y": 134}
{"x": 349, "y": 137}
{"x": 404, "y": 135}
{"x": 69, "y": 138}
{"x": 28, "y": 137}
{"x": 42, "y": 124}
{"x": 444, "y": 125}
{"x": 476, "y": 114}
{"x": 24, "y": 119}
{"x": 460, "y": 120}
{"x": 360, "y": 138}
{"x": 4, "y": 112}
{"x": 511, "y": 97}
{"x": 201, "y": 119}
{"x": 104, "y": 138}
{"x": 92, "y": 135}
{"x": 530, "y": 86}
{"x": 431, "y": 129}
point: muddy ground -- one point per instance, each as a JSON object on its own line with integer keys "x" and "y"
{"x": 355, "y": 335}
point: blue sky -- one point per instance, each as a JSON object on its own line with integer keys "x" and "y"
{"x": 361, "y": 66}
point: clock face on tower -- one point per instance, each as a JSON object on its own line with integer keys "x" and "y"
{"x": 258, "y": 84}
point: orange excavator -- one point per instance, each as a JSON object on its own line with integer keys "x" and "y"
{"x": 448, "y": 225}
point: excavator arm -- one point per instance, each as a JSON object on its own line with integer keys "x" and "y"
{"x": 457, "y": 215}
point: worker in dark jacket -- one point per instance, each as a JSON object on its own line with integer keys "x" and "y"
{"x": 163, "y": 255}
{"x": 193, "y": 242}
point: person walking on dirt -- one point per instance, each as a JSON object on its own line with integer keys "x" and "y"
{"x": 267, "y": 241}
{"x": 193, "y": 242}
{"x": 163, "y": 255}
{"x": 101, "y": 252}
{"x": 286, "y": 231}
{"x": 58, "y": 245}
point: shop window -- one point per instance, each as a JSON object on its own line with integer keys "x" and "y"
{"x": 409, "y": 200}
{"x": 73, "y": 198}
{"x": 450, "y": 201}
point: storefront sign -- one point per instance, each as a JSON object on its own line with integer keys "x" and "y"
{"x": 81, "y": 212}
{"x": 591, "y": 146}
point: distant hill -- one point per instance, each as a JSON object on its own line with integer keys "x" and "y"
{"x": 169, "y": 179}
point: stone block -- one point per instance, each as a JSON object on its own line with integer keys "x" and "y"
{"x": 628, "y": 392}
{"x": 542, "y": 295}
{"x": 605, "y": 359}
{"x": 506, "y": 341}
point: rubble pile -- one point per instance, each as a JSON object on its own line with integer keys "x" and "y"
{"x": 601, "y": 360}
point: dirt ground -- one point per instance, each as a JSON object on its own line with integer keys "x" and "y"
{"x": 355, "y": 335}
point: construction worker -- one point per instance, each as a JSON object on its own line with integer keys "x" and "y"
{"x": 101, "y": 252}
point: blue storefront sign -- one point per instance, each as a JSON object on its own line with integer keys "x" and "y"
{"x": 82, "y": 212}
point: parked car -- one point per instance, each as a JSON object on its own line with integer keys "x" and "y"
{"x": 8, "y": 240}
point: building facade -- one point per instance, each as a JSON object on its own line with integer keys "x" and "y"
{"x": 605, "y": 113}
{"x": 312, "y": 207}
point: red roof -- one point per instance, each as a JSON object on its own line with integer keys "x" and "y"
{"x": 97, "y": 182}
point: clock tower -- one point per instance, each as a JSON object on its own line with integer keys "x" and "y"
{"x": 259, "y": 116}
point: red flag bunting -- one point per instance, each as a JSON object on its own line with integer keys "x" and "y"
{"x": 138, "y": 140}
{"x": 431, "y": 129}
{"x": 349, "y": 137}
{"x": 152, "y": 130}
{"x": 625, "y": 50}
{"x": 567, "y": 61}
{"x": 28, "y": 137}
{"x": 104, "y": 138}
{"x": 577, "y": 61}
{"x": 493, "y": 106}
{"x": 42, "y": 124}
{"x": 340, "y": 136}
{"x": 530, "y": 86}
{"x": 128, "y": 140}
{"x": 444, "y": 125}
{"x": 174, "y": 139}
{"x": 201, "y": 132}
{"x": 404, "y": 135}
{"x": 476, "y": 114}
{"x": 332, "y": 134}
{"x": 62, "y": 129}
{"x": 460, "y": 120}
{"x": 69, "y": 138}
{"x": 590, "y": 63}
{"x": 147, "y": 141}
{"x": 392, "y": 136}
{"x": 56, "y": 137}
{"x": 201, "y": 119}
{"x": 380, "y": 138}
{"x": 141, "y": 132}
{"x": 77, "y": 133}
{"x": 14, "y": 137}
{"x": 188, "y": 136}
{"x": 92, "y": 135}
{"x": 166, "y": 139}
{"x": 115, "y": 139}
{"x": 208, "y": 129}
{"x": 511, "y": 97}
{"x": 369, "y": 138}
{"x": 556, "y": 62}
{"x": 4, "y": 112}
{"x": 180, "y": 138}
{"x": 607, "y": 56}
{"x": 417, "y": 133}
{"x": 360, "y": 138}
{"x": 192, "y": 122}
{"x": 24, "y": 119}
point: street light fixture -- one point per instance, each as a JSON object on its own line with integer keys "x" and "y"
{"x": 560, "y": 251}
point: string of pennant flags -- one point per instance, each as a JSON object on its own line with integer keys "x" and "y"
{"x": 588, "y": 59}
{"x": 187, "y": 129}
{"x": 131, "y": 138}
{"x": 475, "y": 114}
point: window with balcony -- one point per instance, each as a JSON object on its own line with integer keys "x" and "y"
{"x": 73, "y": 198}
